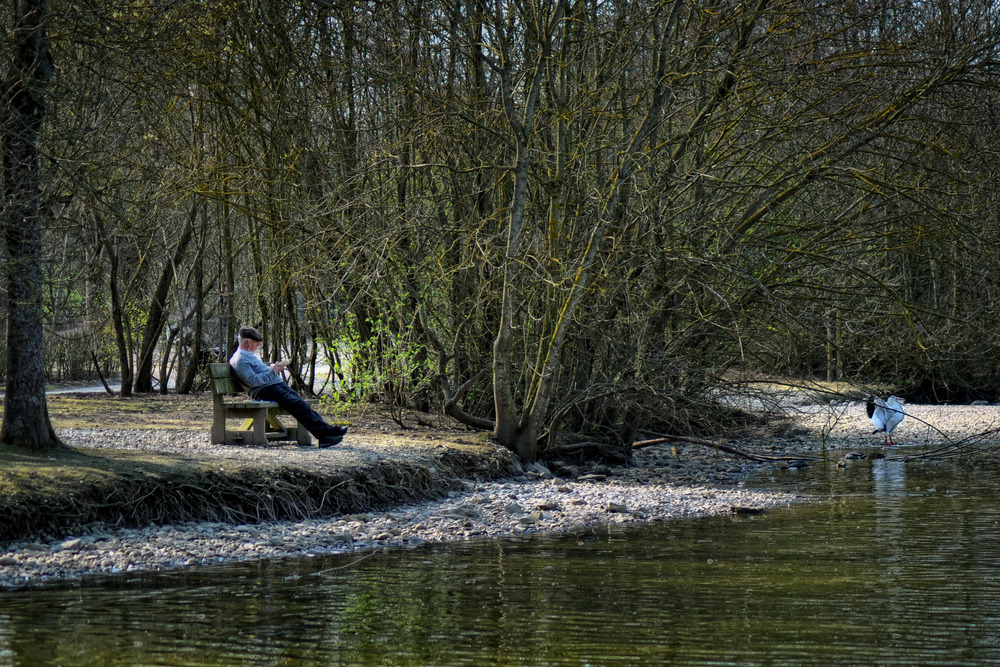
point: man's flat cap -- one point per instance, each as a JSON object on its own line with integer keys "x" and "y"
{"x": 251, "y": 333}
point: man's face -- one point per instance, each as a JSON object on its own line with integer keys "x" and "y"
{"x": 250, "y": 345}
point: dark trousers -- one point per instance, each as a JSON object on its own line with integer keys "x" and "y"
{"x": 290, "y": 400}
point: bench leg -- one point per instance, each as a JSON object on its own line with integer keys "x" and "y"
{"x": 219, "y": 430}
{"x": 218, "y": 421}
{"x": 302, "y": 434}
{"x": 259, "y": 435}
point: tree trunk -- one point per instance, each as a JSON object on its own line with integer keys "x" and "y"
{"x": 507, "y": 430}
{"x": 117, "y": 310}
{"x": 187, "y": 375}
{"x": 165, "y": 358}
{"x": 26, "y": 417}
{"x": 227, "y": 325}
{"x": 158, "y": 308}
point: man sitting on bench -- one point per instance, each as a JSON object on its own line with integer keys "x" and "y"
{"x": 265, "y": 384}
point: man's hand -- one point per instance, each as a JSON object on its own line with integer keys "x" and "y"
{"x": 279, "y": 366}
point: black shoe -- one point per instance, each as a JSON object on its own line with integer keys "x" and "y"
{"x": 338, "y": 431}
{"x": 330, "y": 442}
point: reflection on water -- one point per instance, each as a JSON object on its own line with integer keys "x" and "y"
{"x": 888, "y": 477}
{"x": 897, "y": 567}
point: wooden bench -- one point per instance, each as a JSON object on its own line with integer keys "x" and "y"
{"x": 260, "y": 424}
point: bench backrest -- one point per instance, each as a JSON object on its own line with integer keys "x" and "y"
{"x": 224, "y": 381}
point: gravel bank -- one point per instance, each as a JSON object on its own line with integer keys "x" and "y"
{"x": 665, "y": 482}
{"x": 844, "y": 425}
{"x": 481, "y": 511}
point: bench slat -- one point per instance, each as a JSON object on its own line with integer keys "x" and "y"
{"x": 249, "y": 405}
{"x": 223, "y": 381}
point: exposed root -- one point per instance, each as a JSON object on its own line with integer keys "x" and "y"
{"x": 245, "y": 495}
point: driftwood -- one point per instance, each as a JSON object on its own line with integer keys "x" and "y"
{"x": 714, "y": 444}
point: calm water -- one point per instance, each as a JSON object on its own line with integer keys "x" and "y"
{"x": 898, "y": 567}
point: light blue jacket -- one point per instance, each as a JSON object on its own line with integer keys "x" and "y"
{"x": 252, "y": 372}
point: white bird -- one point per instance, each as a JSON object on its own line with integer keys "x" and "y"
{"x": 885, "y": 415}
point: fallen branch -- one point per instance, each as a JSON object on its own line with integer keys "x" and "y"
{"x": 452, "y": 409}
{"x": 715, "y": 444}
{"x": 977, "y": 442}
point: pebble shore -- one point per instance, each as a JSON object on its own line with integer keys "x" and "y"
{"x": 663, "y": 483}
{"x": 483, "y": 511}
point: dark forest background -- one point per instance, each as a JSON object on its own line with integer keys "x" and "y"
{"x": 541, "y": 217}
